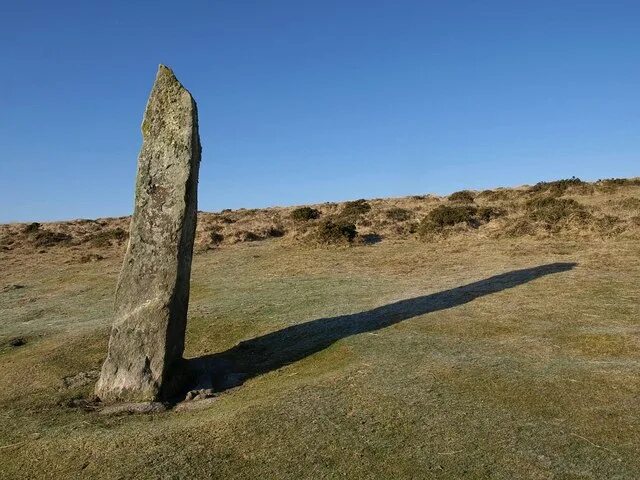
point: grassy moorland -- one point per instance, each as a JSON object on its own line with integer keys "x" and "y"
{"x": 466, "y": 343}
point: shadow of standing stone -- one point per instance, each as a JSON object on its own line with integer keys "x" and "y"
{"x": 152, "y": 296}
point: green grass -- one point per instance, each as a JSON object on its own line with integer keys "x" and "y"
{"x": 538, "y": 380}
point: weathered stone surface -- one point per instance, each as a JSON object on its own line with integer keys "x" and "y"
{"x": 147, "y": 339}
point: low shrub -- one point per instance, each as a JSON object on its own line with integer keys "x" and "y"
{"x": 119, "y": 234}
{"x": 47, "y": 238}
{"x": 486, "y": 193}
{"x": 444, "y": 216}
{"x": 31, "y": 228}
{"x": 215, "y": 238}
{"x": 261, "y": 233}
{"x": 558, "y": 187}
{"x": 352, "y": 211}
{"x": 246, "y": 236}
{"x": 494, "y": 195}
{"x": 463, "y": 196}
{"x": 619, "y": 182}
{"x": 335, "y": 232}
{"x": 398, "y": 214}
{"x": 486, "y": 214}
{"x": 275, "y": 232}
{"x": 552, "y": 210}
{"x": 304, "y": 214}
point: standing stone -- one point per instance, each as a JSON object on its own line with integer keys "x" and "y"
{"x": 147, "y": 339}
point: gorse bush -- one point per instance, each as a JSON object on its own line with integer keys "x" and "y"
{"x": 335, "y": 232}
{"x": 557, "y": 187}
{"x": 275, "y": 231}
{"x": 611, "y": 184}
{"x": 486, "y": 214}
{"x": 553, "y": 210}
{"x": 445, "y": 216}
{"x": 216, "y": 238}
{"x": 47, "y": 238}
{"x": 304, "y": 214}
{"x": 263, "y": 233}
{"x": 31, "y": 228}
{"x": 355, "y": 209}
{"x": 247, "y": 236}
{"x": 494, "y": 195}
{"x": 620, "y": 182}
{"x": 398, "y": 214}
{"x": 463, "y": 196}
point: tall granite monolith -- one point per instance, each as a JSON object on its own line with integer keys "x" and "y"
{"x": 147, "y": 339}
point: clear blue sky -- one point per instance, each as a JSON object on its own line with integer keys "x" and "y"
{"x": 306, "y": 101}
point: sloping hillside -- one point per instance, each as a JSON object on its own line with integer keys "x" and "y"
{"x": 497, "y": 336}
{"x": 563, "y": 208}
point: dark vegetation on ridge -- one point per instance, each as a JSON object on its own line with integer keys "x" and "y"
{"x": 566, "y": 207}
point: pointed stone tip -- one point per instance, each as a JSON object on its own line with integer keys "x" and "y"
{"x": 163, "y": 70}
{"x": 165, "y": 75}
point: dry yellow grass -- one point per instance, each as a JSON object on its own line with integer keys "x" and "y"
{"x": 610, "y": 208}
